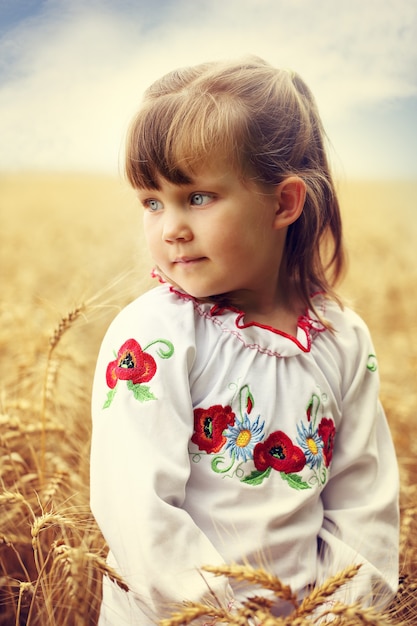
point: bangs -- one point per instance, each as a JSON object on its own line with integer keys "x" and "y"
{"x": 175, "y": 134}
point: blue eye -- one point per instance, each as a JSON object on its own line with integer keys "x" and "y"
{"x": 153, "y": 205}
{"x": 201, "y": 199}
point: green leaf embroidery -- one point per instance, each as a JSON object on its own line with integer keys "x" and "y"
{"x": 110, "y": 397}
{"x": 142, "y": 393}
{"x": 295, "y": 481}
{"x": 256, "y": 477}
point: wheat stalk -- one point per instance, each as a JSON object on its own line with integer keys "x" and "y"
{"x": 65, "y": 323}
{"x": 41, "y": 523}
{"x": 10, "y": 497}
{"x": 24, "y": 587}
{"x": 313, "y": 609}
{"x": 53, "y": 487}
{"x": 64, "y": 552}
{"x": 321, "y": 594}
{"x": 256, "y": 577}
{"x": 193, "y": 611}
{"x": 10, "y": 544}
{"x": 354, "y": 615}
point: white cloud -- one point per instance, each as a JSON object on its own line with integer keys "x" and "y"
{"x": 72, "y": 76}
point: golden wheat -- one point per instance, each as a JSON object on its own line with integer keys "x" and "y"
{"x": 52, "y": 555}
{"x": 320, "y": 595}
{"x": 257, "y": 577}
{"x": 315, "y": 608}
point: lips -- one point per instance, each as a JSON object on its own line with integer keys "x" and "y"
{"x": 187, "y": 260}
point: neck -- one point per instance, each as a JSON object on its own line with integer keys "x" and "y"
{"x": 280, "y": 309}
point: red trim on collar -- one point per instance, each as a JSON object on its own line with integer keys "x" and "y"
{"x": 308, "y": 324}
{"x": 305, "y": 322}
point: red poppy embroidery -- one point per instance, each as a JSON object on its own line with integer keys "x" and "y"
{"x": 249, "y": 404}
{"x": 218, "y": 431}
{"x": 209, "y": 425}
{"x": 278, "y": 452}
{"x": 132, "y": 364}
{"x": 327, "y": 432}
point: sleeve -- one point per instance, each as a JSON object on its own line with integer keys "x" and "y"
{"x": 142, "y": 421}
{"x": 361, "y": 500}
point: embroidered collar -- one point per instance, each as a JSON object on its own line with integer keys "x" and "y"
{"x": 255, "y": 335}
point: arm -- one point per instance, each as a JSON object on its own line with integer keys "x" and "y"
{"x": 361, "y": 513}
{"x": 140, "y": 466}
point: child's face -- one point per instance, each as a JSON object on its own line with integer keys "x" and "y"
{"x": 215, "y": 235}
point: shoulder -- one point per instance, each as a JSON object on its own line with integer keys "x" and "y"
{"x": 159, "y": 316}
{"x": 158, "y": 307}
{"x": 348, "y": 326}
{"x": 347, "y": 348}
{"x": 155, "y": 328}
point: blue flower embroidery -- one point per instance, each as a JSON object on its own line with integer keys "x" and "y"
{"x": 311, "y": 444}
{"x": 242, "y": 438}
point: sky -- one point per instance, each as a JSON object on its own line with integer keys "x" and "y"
{"x": 72, "y": 72}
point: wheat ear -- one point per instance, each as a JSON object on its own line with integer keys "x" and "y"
{"x": 191, "y": 612}
{"x": 256, "y": 577}
{"x": 65, "y": 323}
{"x": 354, "y": 615}
{"x": 321, "y": 594}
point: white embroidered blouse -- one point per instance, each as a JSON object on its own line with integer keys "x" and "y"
{"x": 215, "y": 441}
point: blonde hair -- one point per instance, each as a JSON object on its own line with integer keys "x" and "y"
{"x": 265, "y": 122}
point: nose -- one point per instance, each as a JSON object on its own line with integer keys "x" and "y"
{"x": 176, "y": 226}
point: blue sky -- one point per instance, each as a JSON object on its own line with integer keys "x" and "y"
{"x": 72, "y": 72}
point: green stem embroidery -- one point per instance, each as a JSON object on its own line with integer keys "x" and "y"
{"x": 246, "y": 401}
{"x": 164, "y": 355}
{"x": 313, "y": 407}
{"x": 239, "y": 472}
{"x": 318, "y": 477}
{"x": 217, "y": 461}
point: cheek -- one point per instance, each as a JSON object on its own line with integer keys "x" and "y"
{"x": 152, "y": 236}
{"x": 235, "y": 242}
{"x": 223, "y": 234}
{"x": 153, "y": 249}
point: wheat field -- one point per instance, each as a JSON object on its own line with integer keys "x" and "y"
{"x": 72, "y": 253}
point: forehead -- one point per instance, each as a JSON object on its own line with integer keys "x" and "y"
{"x": 213, "y": 168}
{"x": 204, "y": 176}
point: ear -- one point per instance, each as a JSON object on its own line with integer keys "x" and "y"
{"x": 290, "y": 196}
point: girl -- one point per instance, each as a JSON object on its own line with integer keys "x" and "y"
{"x": 235, "y": 406}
